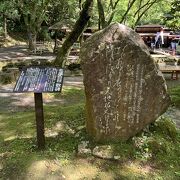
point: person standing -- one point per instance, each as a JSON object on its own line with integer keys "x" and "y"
{"x": 173, "y": 46}
{"x": 159, "y": 39}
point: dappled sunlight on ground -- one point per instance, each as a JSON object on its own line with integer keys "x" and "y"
{"x": 82, "y": 168}
{"x": 59, "y": 127}
{"x": 76, "y": 170}
{"x": 136, "y": 168}
{"x": 64, "y": 131}
{"x": 74, "y": 82}
{"x": 20, "y": 101}
{"x": 20, "y": 52}
{"x": 17, "y": 125}
{"x": 79, "y": 170}
{"x": 25, "y": 136}
{"x": 44, "y": 169}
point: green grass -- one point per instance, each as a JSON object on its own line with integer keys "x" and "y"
{"x": 17, "y": 137}
{"x": 152, "y": 154}
{"x": 72, "y": 95}
{"x": 175, "y": 95}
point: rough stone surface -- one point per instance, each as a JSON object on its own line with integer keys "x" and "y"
{"x": 124, "y": 89}
{"x": 83, "y": 148}
{"x": 104, "y": 152}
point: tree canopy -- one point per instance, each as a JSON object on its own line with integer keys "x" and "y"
{"x": 30, "y": 14}
{"x": 129, "y": 12}
{"x": 172, "y": 19}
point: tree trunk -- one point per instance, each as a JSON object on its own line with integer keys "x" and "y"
{"x": 55, "y": 42}
{"x": 32, "y": 40}
{"x": 113, "y": 7}
{"x": 78, "y": 29}
{"x": 102, "y": 20}
{"x": 4, "y": 26}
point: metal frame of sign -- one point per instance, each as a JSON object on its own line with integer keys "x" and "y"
{"x": 34, "y": 79}
{"x": 36, "y": 83}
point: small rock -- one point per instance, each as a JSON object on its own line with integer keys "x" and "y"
{"x": 83, "y": 148}
{"x": 105, "y": 152}
{"x": 117, "y": 157}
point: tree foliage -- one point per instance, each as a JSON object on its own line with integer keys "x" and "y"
{"x": 7, "y": 11}
{"x": 142, "y": 8}
{"x": 66, "y": 12}
{"x": 136, "y": 12}
{"x": 106, "y": 11}
{"x": 8, "y": 8}
{"x": 69, "y": 12}
{"x": 173, "y": 17}
{"x": 130, "y": 12}
{"x": 33, "y": 12}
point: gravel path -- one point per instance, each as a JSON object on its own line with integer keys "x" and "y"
{"x": 19, "y": 101}
{"x": 20, "y": 52}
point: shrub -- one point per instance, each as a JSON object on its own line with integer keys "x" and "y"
{"x": 175, "y": 95}
{"x": 6, "y": 78}
{"x": 9, "y": 65}
{"x": 157, "y": 145}
{"x": 166, "y": 127}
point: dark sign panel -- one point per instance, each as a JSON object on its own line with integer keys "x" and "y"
{"x": 40, "y": 79}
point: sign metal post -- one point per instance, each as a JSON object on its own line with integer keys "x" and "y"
{"x": 39, "y": 80}
{"x": 39, "y": 120}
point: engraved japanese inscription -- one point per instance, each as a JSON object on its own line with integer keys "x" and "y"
{"x": 124, "y": 89}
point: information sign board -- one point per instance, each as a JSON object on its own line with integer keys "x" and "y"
{"x": 39, "y": 80}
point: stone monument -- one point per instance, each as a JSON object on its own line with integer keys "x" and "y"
{"x": 124, "y": 89}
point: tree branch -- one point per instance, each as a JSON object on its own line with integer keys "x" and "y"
{"x": 78, "y": 29}
{"x": 101, "y": 13}
{"x": 127, "y": 11}
{"x": 142, "y": 6}
{"x": 145, "y": 10}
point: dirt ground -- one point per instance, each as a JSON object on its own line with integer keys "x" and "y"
{"x": 13, "y": 101}
{"x": 20, "y": 52}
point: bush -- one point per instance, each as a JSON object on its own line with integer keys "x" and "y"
{"x": 74, "y": 66}
{"x": 159, "y": 140}
{"x": 166, "y": 127}
{"x": 175, "y": 95}
{"x": 6, "y": 78}
{"x": 157, "y": 145}
{"x": 9, "y": 65}
{"x": 18, "y": 65}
